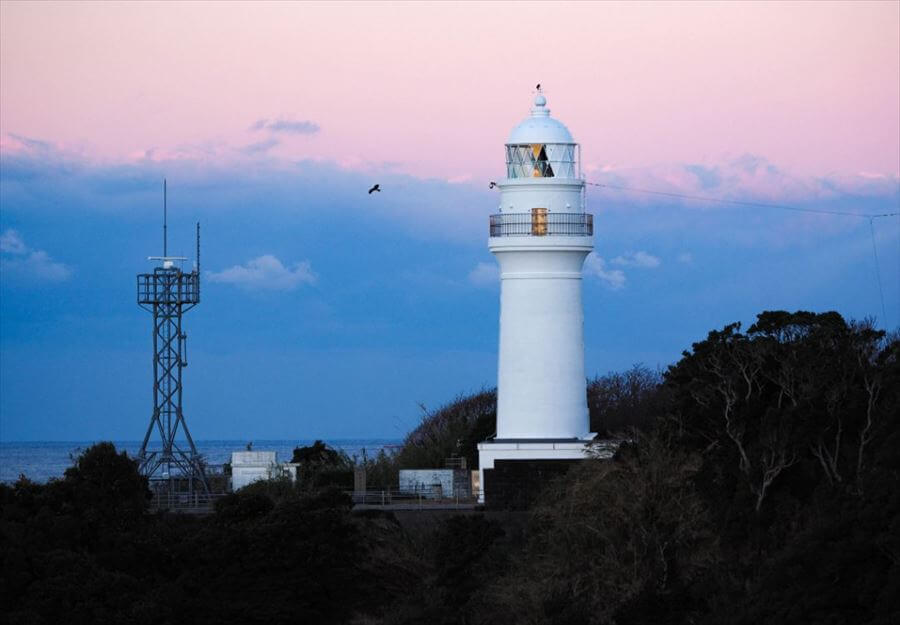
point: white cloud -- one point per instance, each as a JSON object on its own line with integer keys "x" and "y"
{"x": 612, "y": 278}
{"x": 637, "y": 259}
{"x": 40, "y": 265}
{"x": 268, "y": 273}
{"x": 485, "y": 274}
{"x": 11, "y": 243}
{"x": 19, "y": 259}
{"x": 686, "y": 257}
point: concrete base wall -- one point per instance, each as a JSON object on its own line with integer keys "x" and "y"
{"x": 516, "y": 484}
{"x": 560, "y": 452}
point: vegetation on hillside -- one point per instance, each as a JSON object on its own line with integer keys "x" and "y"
{"x": 759, "y": 485}
{"x": 452, "y": 431}
{"x": 617, "y": 403}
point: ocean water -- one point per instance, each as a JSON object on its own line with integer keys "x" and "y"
{"x": 41, "y": 461}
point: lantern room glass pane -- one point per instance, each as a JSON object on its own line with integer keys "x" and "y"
{"x": 540, "y": 160}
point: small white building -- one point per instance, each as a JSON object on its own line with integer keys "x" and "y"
{"x": 250, "y": 466}
{"x": 435, "y": 483}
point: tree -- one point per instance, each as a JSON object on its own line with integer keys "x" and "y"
{"x": 618, "y": 402}
{"x": 106, "y": 486}
{"x": 322, "y": 466}
{"x": 796, "y": 387}
{"x": 613, "y": 534}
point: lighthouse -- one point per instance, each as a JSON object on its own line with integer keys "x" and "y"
{"x": 540, "y": 236}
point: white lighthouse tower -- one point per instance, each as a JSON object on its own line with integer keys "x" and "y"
{"x": 540, "y": 237}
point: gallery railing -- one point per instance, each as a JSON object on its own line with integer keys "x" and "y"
{"x": 540, "y": 222}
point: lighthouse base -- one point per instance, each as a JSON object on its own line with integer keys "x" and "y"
{"x": 512, "y": 471}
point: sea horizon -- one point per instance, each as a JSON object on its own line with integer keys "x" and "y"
{"x": 41, "y": 461}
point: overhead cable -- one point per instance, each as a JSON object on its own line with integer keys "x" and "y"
{"x": 870, "y": 216}
{"x": 702, "y": 198}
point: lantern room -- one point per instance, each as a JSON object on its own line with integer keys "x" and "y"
{"x": 541, "y": 147}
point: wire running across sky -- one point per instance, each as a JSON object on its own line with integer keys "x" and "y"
{"x": 700, "y": 198}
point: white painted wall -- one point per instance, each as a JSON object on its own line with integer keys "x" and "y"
{"x": 557, "y": 195}
{"x": 250, "y": 466}
{"x": 427, "y": 480}
{"x": 541, "y": 387}
{"x": 419, "y": 480}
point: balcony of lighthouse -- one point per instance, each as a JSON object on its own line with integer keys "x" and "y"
{"x": 541, "y": 223}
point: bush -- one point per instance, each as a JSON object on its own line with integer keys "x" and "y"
{"x": 453, "y": 430}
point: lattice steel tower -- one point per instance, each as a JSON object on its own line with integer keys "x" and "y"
{"x": 168, "y": 293}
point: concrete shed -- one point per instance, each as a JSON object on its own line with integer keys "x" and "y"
{"x": 435, "y": 483}
{"x": 250, "y": 466}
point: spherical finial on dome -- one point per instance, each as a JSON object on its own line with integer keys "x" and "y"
{"x": 539, "y": 127}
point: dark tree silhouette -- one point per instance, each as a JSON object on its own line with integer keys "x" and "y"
{"x": 759, "y": 484}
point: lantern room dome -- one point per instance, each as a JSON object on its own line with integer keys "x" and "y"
{"x": 539, "y": 127}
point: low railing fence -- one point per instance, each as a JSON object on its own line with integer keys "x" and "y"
{"x": 420, "y": 495}
{"x": 184, "y": 502}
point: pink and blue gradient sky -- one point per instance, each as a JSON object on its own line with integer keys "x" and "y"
{"x": 328, "y": 312}
{"x": 429, "y": 89}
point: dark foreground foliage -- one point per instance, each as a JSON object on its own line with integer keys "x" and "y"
{"x": 759, "y": 485}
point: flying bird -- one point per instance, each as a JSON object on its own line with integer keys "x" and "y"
{"x": 492, "y": 185}
{"x": 374, "y": 189}
{"x": 538, "y": 87}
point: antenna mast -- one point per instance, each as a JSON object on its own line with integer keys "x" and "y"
{"x": 165, "y": 222}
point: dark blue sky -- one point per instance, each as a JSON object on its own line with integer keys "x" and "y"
{"x": 327, "y": 312}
